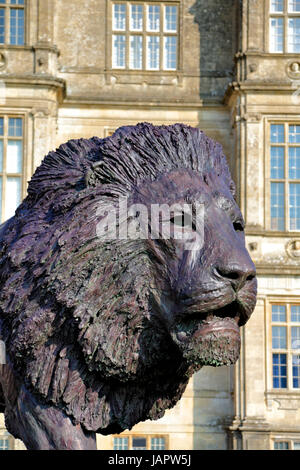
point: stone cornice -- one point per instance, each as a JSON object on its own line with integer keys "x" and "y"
{"x": 95, "y": 101}
{"x": 41, "y": 45}
{"x": 275, "y": 269}
{"x": 255, "y": 231}
{"x": 258, "y": 86}
{"x": 250, "y": 423}
{"x": 258, "y": 53}
{"x": 33, "y": 79}
{"x": 46, "y": 47}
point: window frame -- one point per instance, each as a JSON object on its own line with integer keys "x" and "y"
{"x": 148, "y": 438}
{"x": 287, "y": 302}
{"x": 8, "y": 7}
{"x": 286, "y": 441}
{"x": 286, "y": 180}
{"x": 23, "y": 175}
{"x": 144, "y": 33}
{"x": 290, "y": 440}
{"x": 4, "y": 434}
{"x": 286, "y": 15}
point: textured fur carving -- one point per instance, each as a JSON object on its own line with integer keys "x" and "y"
{"x": 82, "y": 320}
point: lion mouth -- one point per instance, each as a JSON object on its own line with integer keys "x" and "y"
{"x": 234, "y": 309}
{"x": 211, "y": 338}
{"x": 193, "y": 329}
{"x": 231, "y": 316}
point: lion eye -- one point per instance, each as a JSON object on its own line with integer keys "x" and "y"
{"x": 238, "y": 226}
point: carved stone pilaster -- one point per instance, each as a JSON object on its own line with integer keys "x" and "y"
{"x": 44, "y": 129}
{"x": 250, "y": 433}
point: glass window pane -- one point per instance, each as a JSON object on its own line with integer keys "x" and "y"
{"x": 282, "y": 358}
{"x": 294, "y": 162}
{"x": 277, "y": 133}
{"x": 277, "y": 206}
{"x": 294, "y": 206}
{"x": 14, "y": 156}
{"x": 278, "y": 313}
{"x": 296, "y": 371}
{"x": 170, "y": 53}
{"x": 120, "y": 443}
{"x": 2, "y": 1}
{"x": 277, "y": 162}
{"x": 1, "y": 156}
{"x": 277, "y": 6}
{"x": 118, "y": 55}
{"x": 15, "y": 127}
{"x": 170, "y": 23}
{"x": 136, "y": 17}
{"x": 13, "y": 27}
{"x": 281, "y": 445}
{"x": 1, "y": 199}
{"x": 294, "y": 35}
{"x": 17, "y": 26}
{"x": 295, "y": 330}
{"x": 153, "y": 52}
{"x": 119, "y": 16}
{"x": 2, "y": 25}
{"x": 294, "y": 134}
{"x": 4, "y": 443}
{"x": 12, "y": 196}
{"x": 276, "y": 34}
{"x": 17, "y": 2}
{"x": 294, "y": 5}
{"x": 136, "y": 52}
{"x": 139, "y": 443}
{"x": 158, "y": 443}
{"x": 1, "y": 126}
{"x": 275, "y": 382}
{"x": 153, "y": 18}
{"x": 276, "y": 359}
{"x": 296, "y": 445}
{"x": 279, "y": 371}
{"x": 278, "y": 337}
{"x": 295, "y": 313}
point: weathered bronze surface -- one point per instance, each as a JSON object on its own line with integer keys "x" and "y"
{"x": 102, "y": 335}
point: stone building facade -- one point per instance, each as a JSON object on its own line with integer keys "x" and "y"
{"x": 79, "y": 68}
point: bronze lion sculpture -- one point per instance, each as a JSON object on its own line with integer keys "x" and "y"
{"x": 101, "y": 334}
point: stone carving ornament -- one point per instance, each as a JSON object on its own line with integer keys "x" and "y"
{"x": 101, "y": 335}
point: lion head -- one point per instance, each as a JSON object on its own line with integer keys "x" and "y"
{"x": 111, "y": 330}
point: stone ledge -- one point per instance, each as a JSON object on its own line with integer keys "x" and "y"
{"x": 271, "y": 269}
{"x": 250, "y": 423}
{"x": 33, "y": 79}
{"x": 82, "y": 101}
{"x": 286, "y": 400}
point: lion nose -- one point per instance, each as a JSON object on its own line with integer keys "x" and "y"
{"x": 238, "y": 275}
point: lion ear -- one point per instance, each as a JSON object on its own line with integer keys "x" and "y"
{"x": 91, "y": 177}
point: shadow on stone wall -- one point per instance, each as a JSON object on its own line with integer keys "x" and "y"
{"x": 218, "y": 26}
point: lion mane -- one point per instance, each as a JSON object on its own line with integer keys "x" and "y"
{"x": 77, "y": 315}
